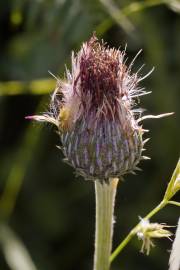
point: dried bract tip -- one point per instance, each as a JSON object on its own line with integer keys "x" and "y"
{"x": 147, "y": 231}
{"x": 94, "y": 109}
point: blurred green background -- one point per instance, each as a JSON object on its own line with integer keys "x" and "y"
{"x": 46, "y": 214}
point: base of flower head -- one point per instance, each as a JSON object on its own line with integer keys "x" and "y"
{"x": 102, "y": 150}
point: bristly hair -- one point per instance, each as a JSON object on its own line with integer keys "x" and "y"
{"x": 99, "y": 81}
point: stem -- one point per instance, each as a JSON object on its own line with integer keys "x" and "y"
{"x": 134, "y": 231}
{"x": 174, "y": 203}
{"x": 34, "y": 87}
{"x": 156, "y": 209}
{"x": 105, "y": 199}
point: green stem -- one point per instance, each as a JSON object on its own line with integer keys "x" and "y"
{"x": 34, "y": 87}
{"x": 134, "y": 231}
{"x": 174, "y": 203}
{"x": 134, "y": 7}
{"x": 105, "y": 199}
{"x": 156, "y": 209}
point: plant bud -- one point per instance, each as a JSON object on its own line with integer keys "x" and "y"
{"x": 98, "y": 129}
{"x": 94, "y": 112}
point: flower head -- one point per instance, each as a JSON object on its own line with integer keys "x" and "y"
{"x": 147, "y": 231}
{"x": 95, "y": 115}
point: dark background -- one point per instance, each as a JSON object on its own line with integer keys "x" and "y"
{"x": 41, "y": 202}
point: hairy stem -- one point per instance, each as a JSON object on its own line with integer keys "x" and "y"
{"x": 105, "y": 200}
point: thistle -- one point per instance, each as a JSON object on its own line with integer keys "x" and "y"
{"x": 98, "y": 121}
{"x": 96, "y": 115}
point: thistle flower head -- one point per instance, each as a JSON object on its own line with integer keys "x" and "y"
{"x": 95, "y": 115}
